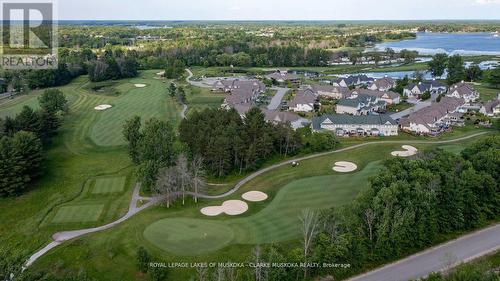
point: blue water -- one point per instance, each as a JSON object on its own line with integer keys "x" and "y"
{"x": 477, "y": 43}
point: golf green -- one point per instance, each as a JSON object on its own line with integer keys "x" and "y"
{"x": 277, "y": 222}
{"x": 109, "y": 185}
{"x": 79, "y": 213}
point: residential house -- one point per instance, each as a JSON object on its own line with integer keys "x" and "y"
{"x": 464, "y": 91}
{"x": 283, "y": 77}
{"x": 329, "y": 91}
{"x": 434, "y": 119}
{"x": 491, "y": 108}
{"x": 416, "y": 90}
{"x": 353, "y": 80}
{"x": 303, "y": 101}
{"x": 347, "y": 125}
{"x": 382, "y": 84}
{"x": 228, "y": 85}
{"x": 360, "y": 105}
{"x": 388, "y": 97}
{"x": 295, "y": 120}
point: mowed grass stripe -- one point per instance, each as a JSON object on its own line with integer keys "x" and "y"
{"x": 79, "y": 213}
{"x": 109, "y": 185}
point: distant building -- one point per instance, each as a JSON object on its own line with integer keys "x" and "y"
{"x": 347, "y": 125}
{"x": 382, "y": 84}
{"x": 285, "y": 117}
{"x": 434, "y": 119}
{"x": 360, "y": 105}
{"x": 464, "y": 91}
{"x": 303, "y": 101}
{"x": 416, "y": 90}
{"x": 386, "y": 96}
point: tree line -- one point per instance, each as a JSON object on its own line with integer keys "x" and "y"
{"x": 22, "y": 139}
{"x": 232, "y": 144}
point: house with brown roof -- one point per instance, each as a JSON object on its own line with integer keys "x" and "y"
{"x": 303, "y": 101}
{"x": 386, "y": 96}
{"x": 382, "y": 84}
{"x": 464, "y": 91}
{"x": 491, "y": 108}
{"x": 283, "y": 77}
{"x": 434, "y": 119}
{"x": 228, "y": 85}
{"x": 329, "y": 91}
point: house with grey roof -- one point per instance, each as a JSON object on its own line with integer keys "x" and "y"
{"x": 347, "y": 125}
{"x": 330, "y": 91}
{"x": 464, "y": 91}
{"x": 416, "y": 90}
{"x": 303, "y": 101}
{"x": 388, "y": 97}
{"x": 359, "y": 105}
{"x": 382, "y": 84}
{"x": 434, "y": 119}
{"x": 295, "y": 120}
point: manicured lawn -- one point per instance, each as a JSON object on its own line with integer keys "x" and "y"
{"x": 199, "y": 99}
{"x": 486, "y": 92}
{"x": 109, "y": 185}
{"x": 188, "y": 236}
{"x": 81, "y": 213}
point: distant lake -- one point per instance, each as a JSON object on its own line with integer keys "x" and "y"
{"x": 476, "y": 43}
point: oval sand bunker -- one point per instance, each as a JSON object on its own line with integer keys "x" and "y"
{"x": 344, "y": 167}
{"x": 103, "y": 107}
{"x": 410, "y": 151}
{"x": 140, "y": 85}
{"x": 254, "y": 196}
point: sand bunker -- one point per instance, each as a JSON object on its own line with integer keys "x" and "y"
{"x": 254, "y": 196}
{"x": 231, "y": 207}
{"x": 161, "y": 73}
{"x": 344, "y": 167}
{"x": 410, "y": 151}
{"x": 140, "y": 85}
{"x": 103, "y": 107}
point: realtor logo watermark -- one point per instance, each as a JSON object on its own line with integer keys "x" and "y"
{"x": 29, "y": 34}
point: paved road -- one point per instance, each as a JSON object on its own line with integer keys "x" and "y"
{"x": 419, "y": 105}
{"x": 133, "y": 209}
{"x": 276, "y": 100}
{"x": 199, "y": 84}
{"x": 439, "y": 258}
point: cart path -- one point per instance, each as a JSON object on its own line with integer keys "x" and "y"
{"x": 60, "y": 237}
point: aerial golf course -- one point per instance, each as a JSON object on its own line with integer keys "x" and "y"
{"x": 90, "y": 181}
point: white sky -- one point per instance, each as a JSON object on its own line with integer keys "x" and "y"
{"x": 277, "y": 9}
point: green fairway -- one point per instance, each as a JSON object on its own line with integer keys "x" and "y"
{"x": 188, "y": 236}
{"x": 277, "y": 222}
{"x": 109, "y": 185}
{"x": 148, "y": 102}
{"x": 81, "y": 213}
